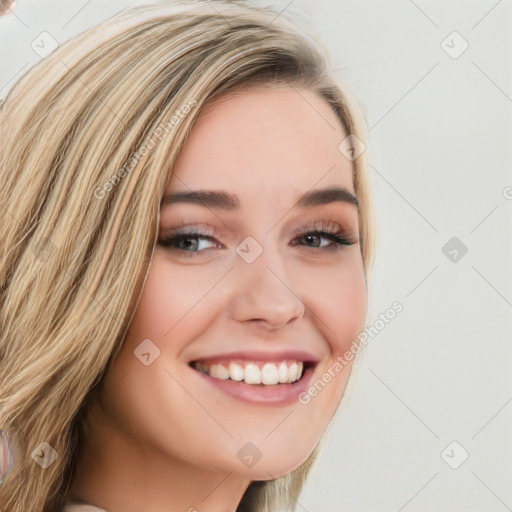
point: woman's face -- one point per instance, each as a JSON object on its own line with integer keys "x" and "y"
{"x": 257, "y": 294}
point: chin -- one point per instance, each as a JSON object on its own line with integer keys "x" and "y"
{"x": 272, "y": 469}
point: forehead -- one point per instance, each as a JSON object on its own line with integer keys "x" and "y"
{"x": 266, "y": 142}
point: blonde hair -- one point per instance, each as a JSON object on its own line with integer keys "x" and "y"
{"x": 89, "y": 138}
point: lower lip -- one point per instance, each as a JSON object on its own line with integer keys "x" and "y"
{"x": 277, "y": 394}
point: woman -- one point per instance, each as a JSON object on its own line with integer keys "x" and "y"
{"x": 185, "y": 253}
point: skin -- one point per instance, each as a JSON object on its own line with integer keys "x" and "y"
{"x": 6, "y": 6}
{"x": 163, "y": 437}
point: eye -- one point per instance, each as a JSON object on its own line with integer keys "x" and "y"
{"x": 335, "y": 241}
{"x": 319, "y": 237}
{"x": 326, "y": 231}
{"x": 188, "y": 243}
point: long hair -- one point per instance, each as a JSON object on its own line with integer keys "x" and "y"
{"x": 89, "y": 138}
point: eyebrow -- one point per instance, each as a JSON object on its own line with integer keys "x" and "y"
{"x": 226, "y": 201}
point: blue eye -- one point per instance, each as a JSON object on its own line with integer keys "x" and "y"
{"x": 186, "y": 242}
{"x": 337, "y": 240}
{"x": 189, "y": 243}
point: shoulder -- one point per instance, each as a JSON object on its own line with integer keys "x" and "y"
{"x": 76, "y": 506}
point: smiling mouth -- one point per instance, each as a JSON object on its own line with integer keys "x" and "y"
{"x": 257, "y": 373}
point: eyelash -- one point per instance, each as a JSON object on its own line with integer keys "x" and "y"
{"x": 320, "y": 229}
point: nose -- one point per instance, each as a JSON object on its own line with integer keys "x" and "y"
{"x": 264, "y": 293}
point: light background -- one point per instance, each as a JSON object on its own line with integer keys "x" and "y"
{"x": 441, "y": 167}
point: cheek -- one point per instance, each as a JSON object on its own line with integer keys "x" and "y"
{"x": 337, "y": 297}
{"x": 173, "y": 295}
{"x": 170, "y": 314}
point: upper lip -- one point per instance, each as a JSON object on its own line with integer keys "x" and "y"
{"x": 275, "y": 356}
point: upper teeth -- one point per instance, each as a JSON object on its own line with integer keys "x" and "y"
{"x": 254, "y": 373}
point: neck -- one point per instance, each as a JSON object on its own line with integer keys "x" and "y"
{"x": 115, "y": 474}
